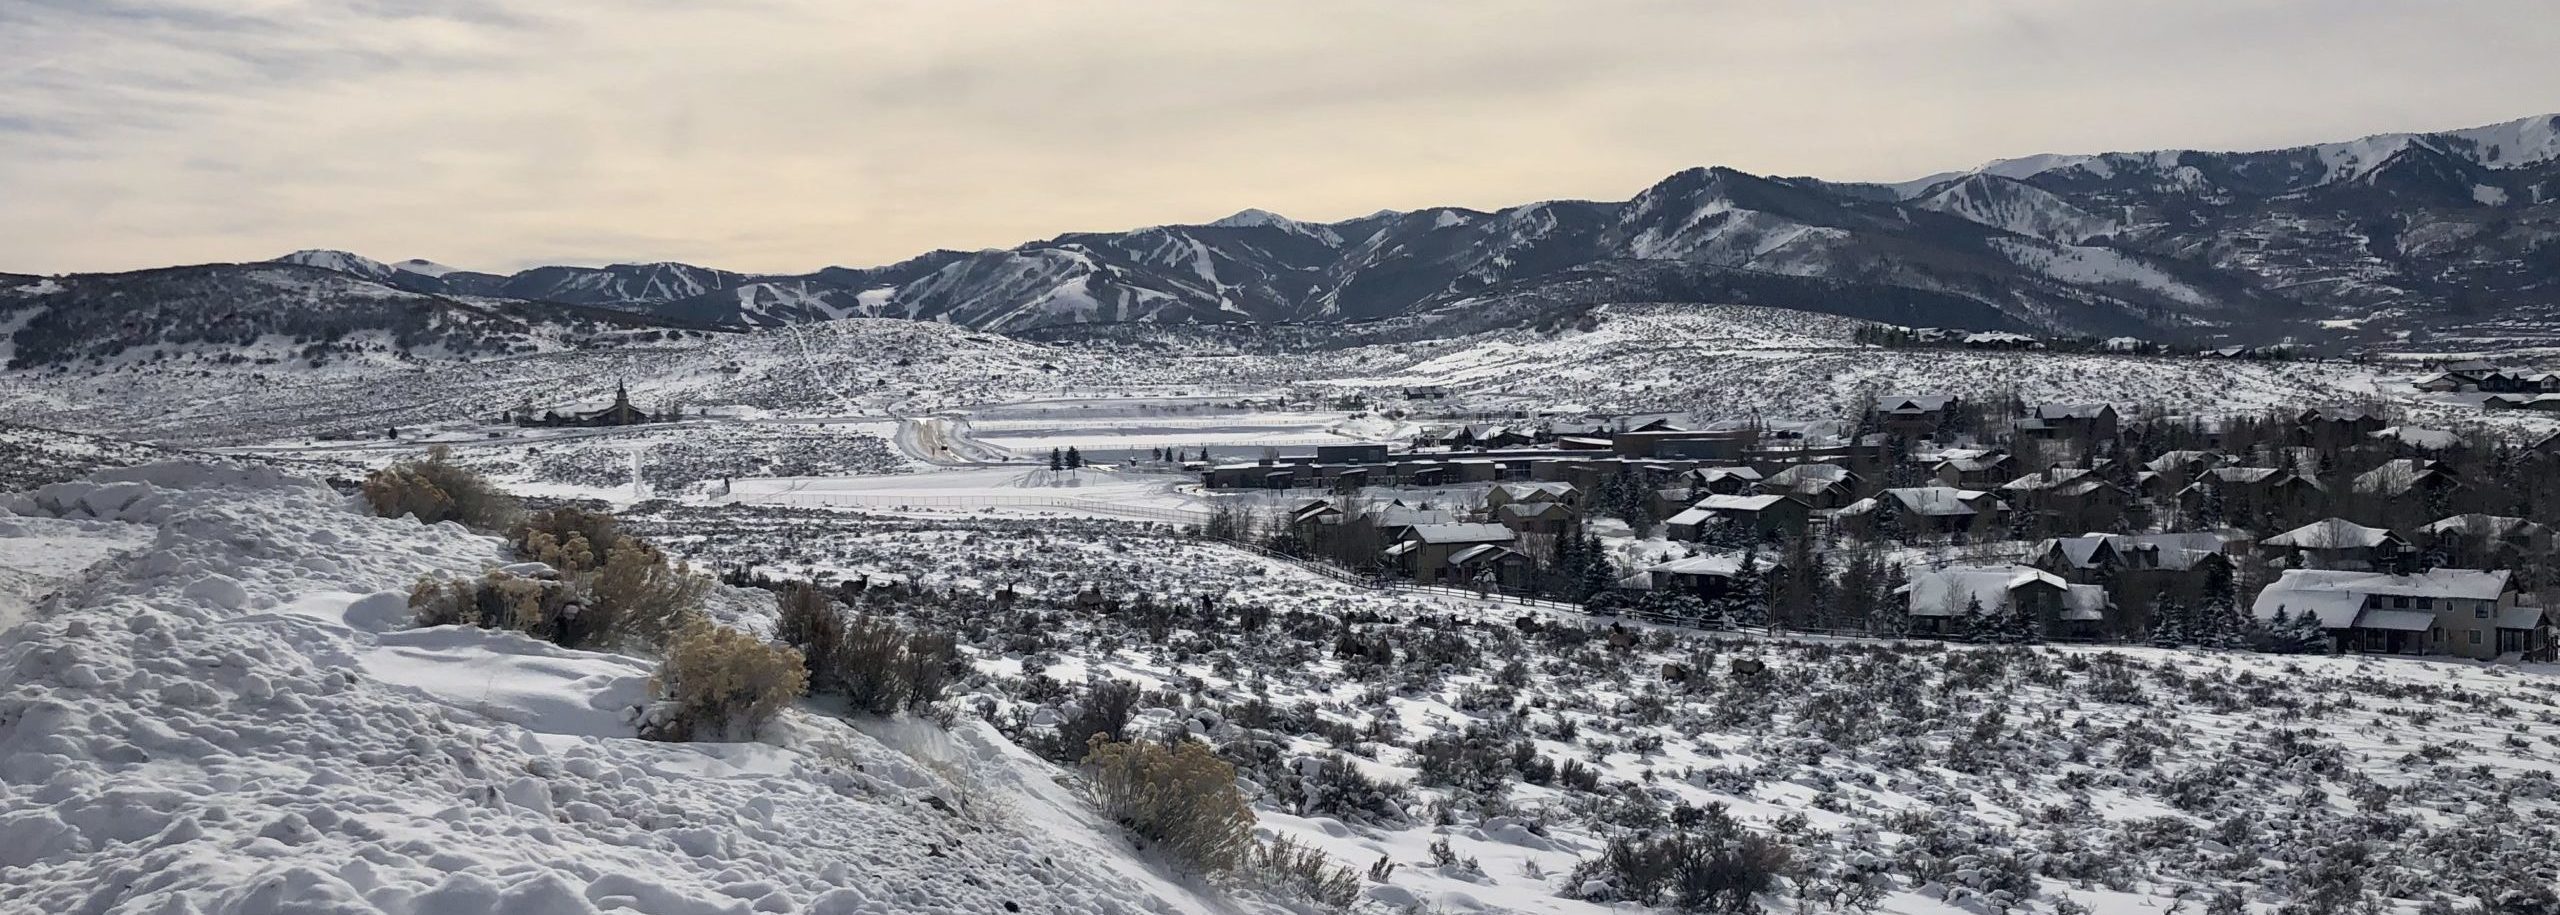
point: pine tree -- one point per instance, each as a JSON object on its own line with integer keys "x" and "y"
{"x": 1892, "y": 608}
{"x": 1075, "y": 459}
{"x": 2168, "y": 622}
{"x": 1057, "y": 461}
{"x": 1748, "y": 596}
{"x": 1977, "y": 627}
{"x": 1598, "y": 573}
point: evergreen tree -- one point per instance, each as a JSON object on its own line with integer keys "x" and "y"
{"x": 1057, "y": 461}
{"x": 2168, "y": 622}
{"x": 2025, "y": 628}
{"x": 1075, "y": 459}
{"x": 1892, "y": 608}
{"x": 1748, "y": 596}
{"x": 2306, "y": 635}
{"x": 1598, "y": 573}
{"x": 1977, "y": 627}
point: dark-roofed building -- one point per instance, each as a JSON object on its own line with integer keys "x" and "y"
{"x": 2078, "y": 421}
{"x": 2338, "y": 544}
{"x": 1423, "y": 551}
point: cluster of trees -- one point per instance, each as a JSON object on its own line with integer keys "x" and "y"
{"x": 1070, "y": 459}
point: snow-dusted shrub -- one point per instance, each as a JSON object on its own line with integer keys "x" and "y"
{"x": 436, "y": 489}
{"x": 637, "y": 598}
{"x": 1182, "y": 799}
{"x": 494, "y": 601}
{"x": 569, "y": 538}
{"x": 1102, "y": 713}
{"x": 719, "y": 683}
{"x": 878, "y": 666}
{"x": 1291, "y": 866}
{"x": 1713, "y": 865}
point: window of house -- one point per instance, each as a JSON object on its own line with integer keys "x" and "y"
{"x": 2475, "y": 637}
{"x": 2400, "y": 603}
{"x": 2426, "y": 603}
{"x": 2480, "y": 609}
{"x": 2436, "y": 634}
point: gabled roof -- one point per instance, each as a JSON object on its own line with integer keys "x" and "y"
{"x": 1713, "y": 474}
{"x": 2054, "y": 411}
{"x": 1807, "y": 478}
{"x": 1913, "y": 403}
{"x": 2084, "y": 552}
{"x": 2331, "y": 534}
{"x": 1738, "y": 503}
{"x": 2339, "y": 597}
{"x": 1483, "y": 552}
{"x": 2420, "y": 437}
{"x": 1399, "y": 515}
{"x": 2494, "y": 527}
{"x": 2400, "y": 475}
{"x": 2175, "y": 460}
{"x": 1947, "y": 592}
{"x": 1460, "y": 533}
{"x": 1978, "y": 464}
{"x": 1535, "y": 492}
{"x": 1720, "y": 565}
{"x": 1938, "y": 501}
{"x": 1536, "y": 510}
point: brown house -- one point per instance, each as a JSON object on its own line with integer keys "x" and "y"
{"x": 1423, "y": 551}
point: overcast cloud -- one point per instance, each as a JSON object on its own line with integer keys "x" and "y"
{"x": 784, "y": 135}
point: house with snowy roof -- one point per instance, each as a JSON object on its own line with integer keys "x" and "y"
{"x": 1926, "y": 510}
{"x": 1762, "y": 515}
{"x": 2461, "y": 612}
{"x": 1721, "y": 481}
{"x": 1555, "y": 491}
{"x": 2079, "y": 497}
{"x": 2243, "y": 490}
{"x": 1816, "y": 485}
{"x": 1913, "y": 415}
{"x": 1423, "y": 551}
{"x": 1939, "y": 600}
{"x": 1708, "y": 575}
{"x": 2078, "y": 421}
{"x": 1978, "y": 469}
{"x": 2339, "y": 426}
{"x": 2338, "y": 544}
{"x": 2481, "y": 541}
{"x": 2407, "y": 478}
{"x": 1489, "y": 567}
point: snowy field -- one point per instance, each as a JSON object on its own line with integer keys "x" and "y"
{"x": 1936, "y": 779}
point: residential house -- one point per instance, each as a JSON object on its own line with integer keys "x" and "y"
{"x": 1913, "y": 415}
{"x": 2074, "y": 497}
{"x": 1423, "y": 551}
{"x": 2075, "y": 421}
{"x": 1817, "y": 485}
{"x": 2418, "y": 437}
{"x": 1545, "y": 518}
{"x": 1762, "y": 515}
{"x": 2339, "y": 545}
{"x": 1552, "y": 491}
{"x": 2241, "y": 492}
{"x": 1979, "y": 469}
{"x": 1722, "y": 481}
{"x": 2339, "y": 426}
{"x": 1489, "y": 567}
{"x": 2462, "y": 612}
{"x": 2407, "y": 478}
{"x": 2478, "y": 541}
{"x": 1707, "y": 576}
{"x": 1928, "y": 510}
{"x": 1940, "y": 599}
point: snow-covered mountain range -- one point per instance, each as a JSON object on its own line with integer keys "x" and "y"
{"x": 2450, "y": 233}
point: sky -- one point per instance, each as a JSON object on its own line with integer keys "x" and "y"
{"x": 786, "y": 135}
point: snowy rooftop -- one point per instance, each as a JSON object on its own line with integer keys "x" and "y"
{"x": 1461, "y": 533}
{"x": 2331, "y": 534}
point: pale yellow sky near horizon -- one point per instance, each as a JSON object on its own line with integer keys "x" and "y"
{"x": 785, "y": 135}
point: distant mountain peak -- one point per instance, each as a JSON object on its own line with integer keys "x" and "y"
{"x": 341, "y": 261}
{"x": 422, "y": 267}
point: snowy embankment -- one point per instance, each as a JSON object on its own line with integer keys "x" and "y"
{"x": 231, "y": 716}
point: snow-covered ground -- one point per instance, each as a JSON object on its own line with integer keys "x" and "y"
{"x": 239, "y": 721}
{"x": 1949, "y": 779}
